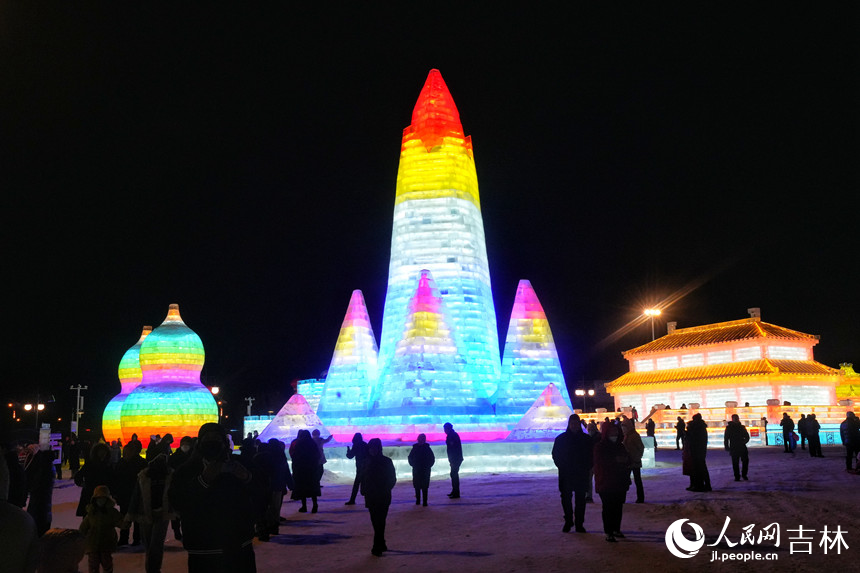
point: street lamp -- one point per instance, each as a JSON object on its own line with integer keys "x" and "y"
{"x": 651, "y": 313}
{"x": 584, "y": 393}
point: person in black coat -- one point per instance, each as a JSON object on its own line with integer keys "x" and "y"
{"x": 801, "y": 429}
{"x": 812, "y": 429}
{"x": 125, "y": 480}
{"x": 213, "y": 493}
{"x": 680, "y": 433}
{"x": 572, "y": 453}
{"x": 787, "y": 428}
{"x": 359, "y": 452}
{"x": 421, "y": 458}
{"x": 735, "y": 440}
{"x": 695, "y": 452}
{"x": 849, "y": 432}
{"x": 17, "y": 476}
{"x": 611, "y": 478}
{"x": 306, "y": 462}
{"x": 455, "y": 458}
{"x": 96, "y": 471}
{"x": 39, "y": 467}
{"x": 376, "y": 484}
{"x": 650, "y": 426}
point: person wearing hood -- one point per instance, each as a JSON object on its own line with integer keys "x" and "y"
{"x": 306, "y": 458}
{"x": 573, "y": 455}
{"x": 421, "y": 458}
{"x": 611, "y": 478}
{"x": 99, "y": 529}
{"x": 150, "y": 507}
{"x": 636, "y": 449}
{"x": 213, "y": 494}
{"x": 376, "y": 485}
{"x": 359, "y": 452}
{"x": 735, "y": 440}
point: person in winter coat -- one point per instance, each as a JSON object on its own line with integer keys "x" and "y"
{"x": 150, "y": 507}
{"x": 96, "y": 471}
{"x": 801, "y": 429}
{"x": 19, "y": 546}
{"x": 680, "y": 433}
{"x": 611, "y": 478}
{"x": 454, "y": 448}
{"x": 306, "y": 463}
{"x": 650, "y": 426}
{"x": 695, "y": 453}
{"x": 320, "y": 442}
{"x": 181, "y": 455}
{"x": 73, "y": 454}
{"x": 213, "y": 494}
{"x": 735, "y": 440}
{"x": 636, "y": 449}
{"x": 359, "y": 452}
{"x": 376, "y": 485}
{"x": 849, "y": 431}
{"x": 573, "y": 455}
{"x": 124, "y": 482}
{"x": 421, "y": 458}
{"x": 812, "y": 429}
{"x": 787, "y": 429}
{"x": 272, "y": 474}
{"x": 99, "y": 529}
{"x": 38, "y": 465}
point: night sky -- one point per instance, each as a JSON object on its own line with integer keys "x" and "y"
{"x": 241, "y": 161}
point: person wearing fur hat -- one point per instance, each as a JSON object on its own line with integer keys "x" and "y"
{"x": 151, "y": 509}
{"x": 99, "y": 529}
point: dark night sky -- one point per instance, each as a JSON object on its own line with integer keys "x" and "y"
{"x": 241, "y": 162}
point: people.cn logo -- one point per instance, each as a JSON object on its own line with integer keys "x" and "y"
{"x": 680, "y": 546}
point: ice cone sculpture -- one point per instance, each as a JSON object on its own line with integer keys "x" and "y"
{"x": 530, "y": 360}
{"x": 295, "y": 415}
{"x": 427, "y": 375}
{"x": 130, "y": 376}
{"x": 438, "y": 227}
{"x": 352, "y": 372}
{"x": 170, "y": 397}
{"x": 547, "y": 417}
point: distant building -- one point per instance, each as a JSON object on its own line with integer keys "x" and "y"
{"x": 739, "y": 361}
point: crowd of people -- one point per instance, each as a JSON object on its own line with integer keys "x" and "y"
{"x": 217, "y": 501}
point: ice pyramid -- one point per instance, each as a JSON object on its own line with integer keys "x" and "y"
{"x": 295, "y": 415}
{"x": 530, "y": 360}
{"x": 547, "y": 417}
{"x": 352, "y": 372}
{"x": 427, "y": 375}
{"x": 438, "y": 227}
{"x": 130, "y": 377}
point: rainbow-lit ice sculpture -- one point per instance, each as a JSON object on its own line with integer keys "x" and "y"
{"x": 438, "y": 358}
{"x": 130, "y": 376}
{"x": 295, "y": 415}
{"x": 530, "y": 360}
{"x": 547, "y": 417}
{"x": 352, "y": 372}
{"x": 170, "y": 397}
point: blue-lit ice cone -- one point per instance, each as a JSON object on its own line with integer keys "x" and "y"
{"x": 428, "y": 376}
{"x": 352, "y": 373}
{"x": 530, "y": 361}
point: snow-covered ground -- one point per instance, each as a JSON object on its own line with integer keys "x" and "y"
{"x": 512, "y": 522}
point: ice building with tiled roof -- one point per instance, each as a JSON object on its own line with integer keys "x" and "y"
{"x": 737, "y": 361}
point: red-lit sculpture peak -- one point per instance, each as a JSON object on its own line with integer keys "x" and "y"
{"x": 435, "y": 115}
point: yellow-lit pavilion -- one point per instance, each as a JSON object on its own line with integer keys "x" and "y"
{"x": 738, "y": 361}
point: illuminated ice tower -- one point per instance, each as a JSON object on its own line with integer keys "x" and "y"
{"x": 438, "y": 227}
{"x": 130, "y": 376}
{"x": 170, "y": 397}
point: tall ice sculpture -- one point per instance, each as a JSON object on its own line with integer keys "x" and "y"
{"x": 170, "y": 397}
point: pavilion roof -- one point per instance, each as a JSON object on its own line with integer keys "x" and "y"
{"x": 717, "y": 374}
{"x": 721, "y": 332}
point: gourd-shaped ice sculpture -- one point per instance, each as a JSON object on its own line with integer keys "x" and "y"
{"x": 170, "y": 398}
{"x": 129, "y": 377}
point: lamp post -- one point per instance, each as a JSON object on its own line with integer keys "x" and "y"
{"x": 582, "y": 392}
{"x": 79, "y": 405}
{"x": 651, "y": 313}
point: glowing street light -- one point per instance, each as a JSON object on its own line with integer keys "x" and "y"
{"x": 651, "y": 313}
{"x": 215, "y": 390}
{"x": 583, "y": 393}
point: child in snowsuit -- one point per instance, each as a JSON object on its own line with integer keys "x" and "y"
{"x": 99, "y": 529}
